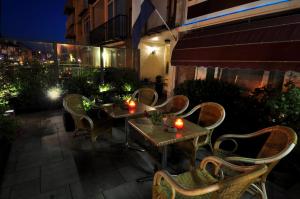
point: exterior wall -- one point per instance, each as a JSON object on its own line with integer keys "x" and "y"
{"x": 99, "y": 13}
{"x": 152, "y": 64}
{"x": 154, "y": 20}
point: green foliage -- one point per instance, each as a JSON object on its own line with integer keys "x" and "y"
{"x": 285, "y": 107}
{"x": 8, "y": 127}
{"x": 88, "y": 104}
{"x": 86, "y": 83}
{"x": 199, "y": 91}
{"x": 264, "y": 107}
{"x": 105, "y": 87}
{"x": 7, "y": 92}
{"x": 34, "y": 83}
{"x": 127, "y": 87}
{"x": 156, "y": 117}
{"x": 122, "y": 79}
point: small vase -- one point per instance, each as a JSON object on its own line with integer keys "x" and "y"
{"x": 156, "y": 122}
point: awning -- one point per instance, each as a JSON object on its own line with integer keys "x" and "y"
{"x": 272, "y": 44}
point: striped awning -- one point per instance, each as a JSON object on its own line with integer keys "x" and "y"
{"x": 270, "y": 44}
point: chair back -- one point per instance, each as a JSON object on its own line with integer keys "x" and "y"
{"x": 174, "y": 105}
{"x": 146, "y": 96}
{"x": 211, "y": 115}
{"x": 72, "y": 103}
{"x": 280, "y": 142}
{"x": 234, "y": 187}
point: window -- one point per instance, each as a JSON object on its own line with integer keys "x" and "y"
{"x": 110, "y": 9}
{"x": 86, "y": 27}
{"x": 116, "y": 7}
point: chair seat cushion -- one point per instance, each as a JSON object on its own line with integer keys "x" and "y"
{"x": 193, "y": 179}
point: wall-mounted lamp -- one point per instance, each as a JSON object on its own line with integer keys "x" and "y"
{"x": 151, "y": 50}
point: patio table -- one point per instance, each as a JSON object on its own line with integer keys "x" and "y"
{"x": 117, "y": 112}
{"x": 161, "y": 138}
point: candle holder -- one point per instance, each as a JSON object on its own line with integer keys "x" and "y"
{"x": 178, "y": 123}
{"x": 131, "y": 104}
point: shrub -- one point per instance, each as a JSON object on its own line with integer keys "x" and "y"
{"x": 8, "y": 127}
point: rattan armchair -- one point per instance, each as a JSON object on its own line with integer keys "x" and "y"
{"x": 146, "y": 96}
{"x": 211, "y": 116}
{"x": 280, "y": 142}
{"x": 201, "y": 184}
{"x": 72, "y": 103}
{"x": 174, "y": 105}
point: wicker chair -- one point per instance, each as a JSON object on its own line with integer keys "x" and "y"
{"x": 72, "y": 103}
{"x": 211, "y": 116}
{"x": 280, "y": 142}
{"x": 146, "y": 96}
{"x": 201, "y": 184}
{"x": 174, "y": 105}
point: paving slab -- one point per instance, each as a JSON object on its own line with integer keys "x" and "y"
{"x": 58, "y": 174}
{"x": 127, "y": 190}
{"x": 21, "y": 176}
{"x": 26, "y": 190}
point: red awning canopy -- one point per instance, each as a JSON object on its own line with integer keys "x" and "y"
{"x": 272, "y": 44}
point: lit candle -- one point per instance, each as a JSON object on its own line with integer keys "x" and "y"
{"x": 132, "y": 104}
{"x": 131, "y": 111}
{"x": 179, "y": 123}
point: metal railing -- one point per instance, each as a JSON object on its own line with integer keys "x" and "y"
{"x": 70, "y": 21}
{"x": 115, "y": 29}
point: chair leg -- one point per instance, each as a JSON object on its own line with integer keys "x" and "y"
{"x": 263, "y": 186}
{"x": 193, "y": 159}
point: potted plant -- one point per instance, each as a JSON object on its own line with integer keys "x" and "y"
{"x": 156, "y": 117}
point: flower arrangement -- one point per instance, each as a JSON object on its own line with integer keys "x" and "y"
{"x": 156, "y": 117}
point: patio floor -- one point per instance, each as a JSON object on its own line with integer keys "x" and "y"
{"x": 47, "y": 162}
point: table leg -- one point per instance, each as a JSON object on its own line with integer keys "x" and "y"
{"x": 127, "y": 145}
{"x": 164, "y": 157}
{"x": 163, "y": 165}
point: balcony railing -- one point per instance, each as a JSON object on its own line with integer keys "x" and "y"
{"x": 82, "y": 7}
{"x": 115, "y": 29}
{"x": 70, "y": 21}
{"x": 69, "y": 7}
{"x": 91, "y": 1}
{"x": 70, "y": 34}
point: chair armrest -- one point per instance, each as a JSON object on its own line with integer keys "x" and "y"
{"x": 232, "y": 137}
{"x": 161, "y": 105}
{"x": 191, "y": 111}
{"x": 176, "y": 187}
{"x": 90, "y": 121}
{"x": 219, "y": 142}
{"x": 155, "y": 99}
{"x": 218, "y": 163}
{"x": 267, "y": 160}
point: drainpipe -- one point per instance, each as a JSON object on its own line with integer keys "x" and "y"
{"x": 101, "y": 65}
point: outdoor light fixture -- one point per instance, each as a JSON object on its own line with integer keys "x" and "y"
{"x": 151, "y": 50}
{"x": 156, "y": 38}
{"x": 54, "y": 93}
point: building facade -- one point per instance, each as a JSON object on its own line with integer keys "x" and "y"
{"x": 107, "y": 23}
{"x": 104, "y": 23}
{"x": 239, "y": 42}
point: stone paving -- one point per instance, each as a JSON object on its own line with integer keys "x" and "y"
{"x": 39, "y": 165}
{"x": 47, "y": 162}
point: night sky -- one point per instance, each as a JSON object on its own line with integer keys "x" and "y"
{"x": 33, "y": 20}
